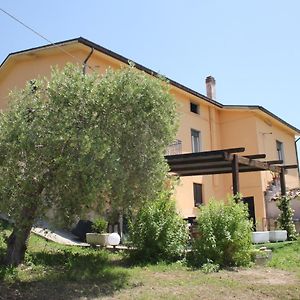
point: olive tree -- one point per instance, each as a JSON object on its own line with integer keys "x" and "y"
{"x": 73, "y": 142}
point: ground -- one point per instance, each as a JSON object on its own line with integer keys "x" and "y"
{"x": 52, "y": 271}
{"x": 164, "y": 282}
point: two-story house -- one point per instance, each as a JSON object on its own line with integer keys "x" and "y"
{"x": 205, "y": 124}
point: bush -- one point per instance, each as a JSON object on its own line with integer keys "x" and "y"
{"x": 224, "y": 235}
{"x": 286, "y": 217}
{"x": 158, "y": 233}
{"x": 100, "y": 225}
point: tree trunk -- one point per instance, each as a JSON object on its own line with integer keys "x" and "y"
{"x": 17, "y": 241}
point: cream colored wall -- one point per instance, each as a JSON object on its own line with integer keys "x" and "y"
{"x": 238, "y": 129}
{"x": 267, "y": 134}
{"x": 207, "y": 122}
{"x": 249, "y": 129}
{"x": 30, "y": 66}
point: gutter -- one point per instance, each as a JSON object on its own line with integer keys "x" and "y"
{"x": 297, "y": 140}
{"x": 84, "y": 65}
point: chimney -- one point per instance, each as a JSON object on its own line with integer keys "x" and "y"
{"x": 210, "y": 87}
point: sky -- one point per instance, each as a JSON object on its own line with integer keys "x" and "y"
{"x": 251, "y": 47}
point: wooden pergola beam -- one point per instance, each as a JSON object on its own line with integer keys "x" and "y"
{"x": 282, "y": 182}
{"x": 290, "y": 167}
{"x": 275, "y": 162}
{"x": 255, "y": 156}
{"x": 235, "y": 174}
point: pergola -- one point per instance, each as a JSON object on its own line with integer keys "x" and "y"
{"x": 223, "y": 162}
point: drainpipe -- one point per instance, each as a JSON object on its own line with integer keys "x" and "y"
{"x": 297, "y": 155}
{"x": 85, "y": 61}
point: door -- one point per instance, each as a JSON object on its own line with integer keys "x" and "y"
{"x": 251, "y": 209}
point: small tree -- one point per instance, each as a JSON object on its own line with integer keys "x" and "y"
{"x": 224, "y": 235}
{"x": 286, "y": 217}
{"x": 76, "y": 141}
{"x": 157, "y": 232}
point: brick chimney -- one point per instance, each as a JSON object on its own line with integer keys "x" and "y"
{"x": 210, "y": 87}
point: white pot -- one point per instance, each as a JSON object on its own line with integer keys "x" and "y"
{"x": 259, "y": 237}
{"x": 97, "y": 238}
{"x": 278, "y": 236}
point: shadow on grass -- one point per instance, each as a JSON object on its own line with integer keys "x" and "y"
{"x": 63, "y": 274}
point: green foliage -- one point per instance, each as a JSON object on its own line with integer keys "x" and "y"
{"x": 286, "y": 217}
{"x": 286, "y": 256}
{"x": 158, "y": 232}
{"x": 210, "y": 268}
{"x": 75, "y": 142}
{"x": 224, "y": 235}
{"x": 99, "y": 225}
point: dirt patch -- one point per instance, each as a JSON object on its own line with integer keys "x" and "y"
{"x": 263, "y": 276}
{"x": 254, "y": 283}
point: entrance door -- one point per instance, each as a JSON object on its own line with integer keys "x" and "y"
{"x": 251, "y": 209}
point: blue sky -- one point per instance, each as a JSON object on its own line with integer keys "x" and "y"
{"x": 251, "y": 47}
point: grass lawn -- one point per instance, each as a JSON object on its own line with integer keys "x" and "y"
{"x": 54, "y": 271}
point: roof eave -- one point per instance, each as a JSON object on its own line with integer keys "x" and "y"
{"x": 151, "y": 72}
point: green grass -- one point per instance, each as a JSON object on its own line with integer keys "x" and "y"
{"x": 53, "y": 271}
{"x": 48, "y": 264}
{"x": 286, "y": 256}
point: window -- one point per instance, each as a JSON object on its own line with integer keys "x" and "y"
{"x": 195, "y": 134}
{"x": 194, "y": 108}
{"x": 197, "y": 194}
{"x": 279, "y": 149}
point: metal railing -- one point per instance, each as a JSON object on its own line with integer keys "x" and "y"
{"x": 174, "y": 148}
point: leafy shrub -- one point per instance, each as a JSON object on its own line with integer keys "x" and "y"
{"x": 286, "y": 217}
{"x": 158, "y": 232}
{"x": 210, "y": 268}
{"x": 224, "y": 235}
{"x": 99, "y": 225}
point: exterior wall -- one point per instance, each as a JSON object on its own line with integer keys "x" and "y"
{"x": 200, "y": 122}
{"x": 257, "y": 134}
{"x": 220, "y": 128}
{"x": 267, "y": 134}
{"x": 238, "y": 129}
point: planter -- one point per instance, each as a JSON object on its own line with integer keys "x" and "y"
{"x": 97, "y": 239}
{"x": 259, "y": 237}
{"x": 278, "y": 236}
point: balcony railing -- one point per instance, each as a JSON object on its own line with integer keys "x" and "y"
{"x": 174, "y": 148}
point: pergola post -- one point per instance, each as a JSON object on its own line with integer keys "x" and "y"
{"x": 282, "y": 181}
{"x": 235, "y": 175}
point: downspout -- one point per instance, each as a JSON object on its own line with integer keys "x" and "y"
{"x": 84, "y": 65}
{"x": 297, "y": 155}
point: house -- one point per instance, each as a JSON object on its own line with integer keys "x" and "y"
{"x": 205, "y": 125}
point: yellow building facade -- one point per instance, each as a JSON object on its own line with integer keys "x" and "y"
{"x": 205, "y": 124}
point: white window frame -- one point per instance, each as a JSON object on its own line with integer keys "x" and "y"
{"x": 196, "y": 140}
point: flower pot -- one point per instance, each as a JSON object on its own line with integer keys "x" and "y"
{"x": 97, "y": 239}
{"x": 278, "y": 236}
{"x": 259, "y": 237}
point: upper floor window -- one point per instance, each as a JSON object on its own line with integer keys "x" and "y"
{"x": 194, "y": 108}
{"x": 198, "y": 198}
{"x": 195, "y": 135}
{"x": 279, "y": 149}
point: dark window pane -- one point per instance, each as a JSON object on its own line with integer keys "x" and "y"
{"x": 197, "y": 194}
{"x": 194, "y": 108}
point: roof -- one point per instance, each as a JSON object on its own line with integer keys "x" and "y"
{"x": 125, "y": 60}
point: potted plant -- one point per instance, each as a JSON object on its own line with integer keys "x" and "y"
{"x": 99, "y": 235}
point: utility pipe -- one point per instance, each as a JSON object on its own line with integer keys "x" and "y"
{"x": 85, "y": 61}
{"x": 297, "y": 155}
